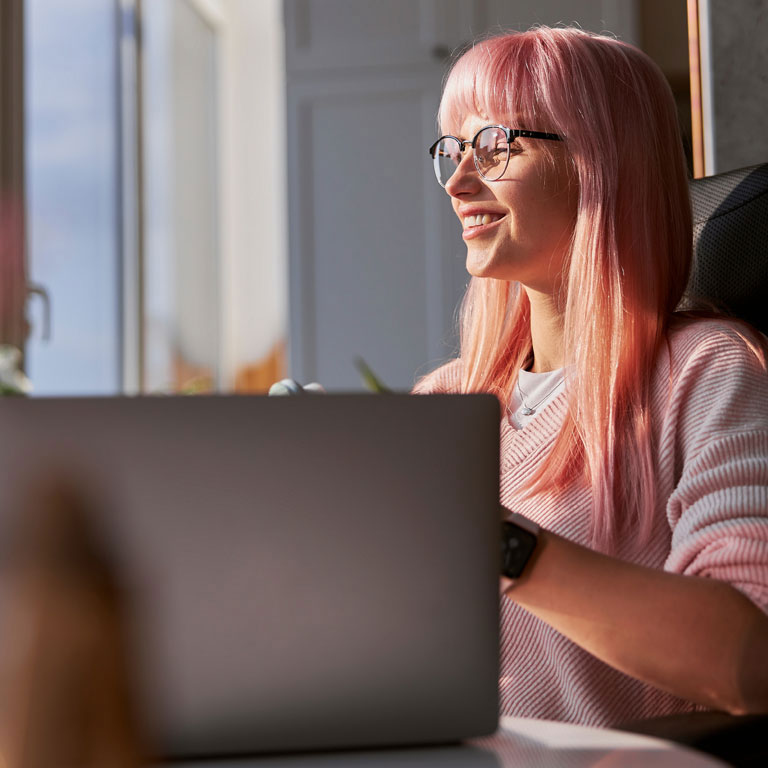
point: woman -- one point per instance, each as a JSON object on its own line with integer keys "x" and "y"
{"x": 635, "y": 436}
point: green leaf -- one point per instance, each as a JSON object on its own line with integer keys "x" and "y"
{"x": 370, "y": 379}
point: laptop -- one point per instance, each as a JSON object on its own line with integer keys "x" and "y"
{"x": 305, "y": 573}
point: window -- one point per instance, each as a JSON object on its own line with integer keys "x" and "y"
{"x": 144, "y": 191}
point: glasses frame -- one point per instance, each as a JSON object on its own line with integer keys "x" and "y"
{"x": 511, "y": 134}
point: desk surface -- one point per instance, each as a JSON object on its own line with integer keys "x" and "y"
{"x": 518, "y": 742}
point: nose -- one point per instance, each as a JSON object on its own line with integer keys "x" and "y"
{"x": 465, "y": 179}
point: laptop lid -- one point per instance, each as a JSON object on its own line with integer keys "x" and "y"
{"x": 305, "y": 573}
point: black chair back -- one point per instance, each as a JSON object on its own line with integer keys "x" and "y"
{"x": 730, "y": 243}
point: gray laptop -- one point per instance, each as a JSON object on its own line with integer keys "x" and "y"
{"x": 306, "y": 573}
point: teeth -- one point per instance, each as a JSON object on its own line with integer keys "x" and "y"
{"x": 476, "y": 221}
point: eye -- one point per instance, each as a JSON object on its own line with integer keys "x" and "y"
{"x": 494, "y": 156}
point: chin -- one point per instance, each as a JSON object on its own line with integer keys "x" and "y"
{"x": 480, "y": 264}
{"x": 484, "y": 266}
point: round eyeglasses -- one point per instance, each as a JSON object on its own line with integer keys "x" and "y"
{"x": 490, "y": 148}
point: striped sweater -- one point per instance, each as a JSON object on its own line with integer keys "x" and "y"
{"x": 710, "y": 429}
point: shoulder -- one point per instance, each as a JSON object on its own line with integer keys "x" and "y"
{"x": 715, "y": 349}
{"x": 445, "y": 379}
{"x": 688, "y": 335}
{"x": 711, "y": 383}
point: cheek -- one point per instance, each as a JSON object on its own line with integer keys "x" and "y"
{"x": 558, "y": 195}
{"x": 541, "y": 230}
{"x": 538, "y": 222}
{"x": 559, "y": 212}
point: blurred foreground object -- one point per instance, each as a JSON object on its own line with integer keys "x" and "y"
{"x": 292, "y": 387}
{"x": 13, "y": 278}
{"x": 12, "y": 378}
{"x": 65, "y": 691}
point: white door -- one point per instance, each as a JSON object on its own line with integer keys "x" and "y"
{"x": 376, "y": 257}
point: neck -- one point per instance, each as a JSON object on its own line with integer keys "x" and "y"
{"x": 547, "y": 322}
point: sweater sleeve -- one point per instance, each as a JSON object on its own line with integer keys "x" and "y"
{"x": 443, "y": 380}
{"x": 716, "y": 432}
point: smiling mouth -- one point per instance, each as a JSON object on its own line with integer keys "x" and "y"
{"x": 481, "y": 219}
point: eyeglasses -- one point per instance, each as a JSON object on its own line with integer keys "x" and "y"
{"x": 490, "y": 148}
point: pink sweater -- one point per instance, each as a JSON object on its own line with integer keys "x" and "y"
{"x": 710, "y": 403}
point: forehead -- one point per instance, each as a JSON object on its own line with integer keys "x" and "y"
{"x": 471, "y": 124}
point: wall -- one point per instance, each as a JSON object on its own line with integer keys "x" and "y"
{"x": 735, "y": 52}
{"x": 377, "y": 260}
{"x": 664, "y": 37}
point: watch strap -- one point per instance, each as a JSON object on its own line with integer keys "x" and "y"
{"x": 519, "y": 537}
{"x": 524, "y": 523}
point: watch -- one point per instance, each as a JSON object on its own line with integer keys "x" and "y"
{"x": 519, "y": 537}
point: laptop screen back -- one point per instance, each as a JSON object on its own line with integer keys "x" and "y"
{"x": 304, "y": 573}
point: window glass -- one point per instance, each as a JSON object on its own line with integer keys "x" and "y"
{"x": 72, "y": 199}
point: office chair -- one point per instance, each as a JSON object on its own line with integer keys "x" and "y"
{"x": 730, "y": 243}
{"x": 730, "y": 268}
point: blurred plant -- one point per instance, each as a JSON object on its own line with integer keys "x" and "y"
{"x": 198, "y": 385}
{"x": 12, "y": 379}
{"x": 370, "y": 379}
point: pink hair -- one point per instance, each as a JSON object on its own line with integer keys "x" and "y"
{"x": 629, "y": 259}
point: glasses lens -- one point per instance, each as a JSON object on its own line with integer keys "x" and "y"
{"x": 446, "y": 159}
{"x": 491, "y": 153}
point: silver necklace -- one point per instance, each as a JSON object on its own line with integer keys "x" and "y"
{"x": 529, "y": 410}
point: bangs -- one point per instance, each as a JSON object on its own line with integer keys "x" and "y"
{"x": 503, "y": 80}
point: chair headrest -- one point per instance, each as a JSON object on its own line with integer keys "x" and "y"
{"x": 730, "y": 242}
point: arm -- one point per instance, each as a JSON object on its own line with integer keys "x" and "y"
{"x": 696, "y": 628}
{"x": 712, "y": 640}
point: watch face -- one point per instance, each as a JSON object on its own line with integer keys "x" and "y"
{"x": 517, "y": 546}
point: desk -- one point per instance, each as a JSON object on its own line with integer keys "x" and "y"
{"x": 518, "y": 743}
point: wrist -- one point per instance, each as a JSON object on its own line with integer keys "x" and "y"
{"x": 521, "y": 540}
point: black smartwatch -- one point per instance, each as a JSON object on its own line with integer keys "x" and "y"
{"x": 519, "y": 537}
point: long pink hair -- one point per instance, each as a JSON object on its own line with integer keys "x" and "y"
{"x": 629, "y": 259}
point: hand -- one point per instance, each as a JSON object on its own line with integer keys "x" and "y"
{"x": 505, "y": 585}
